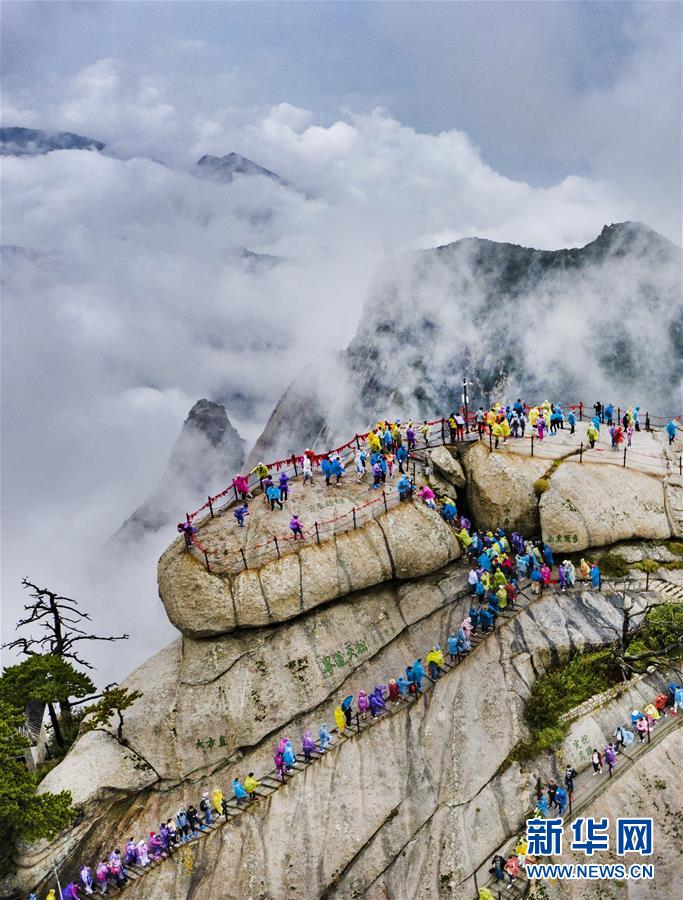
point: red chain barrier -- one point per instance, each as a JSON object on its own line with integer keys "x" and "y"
{"x": 352, "y": 444}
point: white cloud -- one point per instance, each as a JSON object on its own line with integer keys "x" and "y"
{"x": 145, "y": 305}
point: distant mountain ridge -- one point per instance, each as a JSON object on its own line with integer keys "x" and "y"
{"x": 36, "y": 142}
{"x": 566, "y": 324}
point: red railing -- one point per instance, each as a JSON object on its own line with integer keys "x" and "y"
{"x": 439, "y": 435}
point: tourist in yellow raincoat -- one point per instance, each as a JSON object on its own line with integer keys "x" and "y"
{"x": 464, "y": 538}
{"x": 217, "y": 800}
{"x": 435, "y": 662}
{"x": 251, "y": 785}
{"x": 340, "y": 719}
{"x": 374, "y": 441}
{"x": 651, "y": 710}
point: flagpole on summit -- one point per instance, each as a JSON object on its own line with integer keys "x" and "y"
{"x": 465, "y": 382}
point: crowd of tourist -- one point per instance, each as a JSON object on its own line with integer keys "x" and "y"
{"x": 388, "y": 444}
{"x": 189, "y": 823}
{"x": 555, "y": 799}
{"x": 498, "y": 565}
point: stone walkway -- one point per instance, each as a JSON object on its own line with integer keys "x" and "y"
{"x": 271, "y": 781}
{"x": 583, "y": 796}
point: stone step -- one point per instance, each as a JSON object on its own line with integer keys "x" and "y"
{"x": 271, "y": 782}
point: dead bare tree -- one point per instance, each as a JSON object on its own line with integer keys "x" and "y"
{"x": 60, "y": 618}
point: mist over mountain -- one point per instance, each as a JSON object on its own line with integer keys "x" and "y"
{"x": 133, "y": 286}
{"x": 35, "y": 142}
{"x": 207, "y": 449}
{"x": 606, "y": 318}
{"x": 226, "y": 168}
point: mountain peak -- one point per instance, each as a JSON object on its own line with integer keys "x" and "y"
{"x": 206, "y": 455}
{"x": 35, "y": 142}
{"x": 225, "y": 168}
{"x": 211, "y": 420}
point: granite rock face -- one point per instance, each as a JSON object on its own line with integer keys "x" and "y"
{"x": 500, "y": 488}
{"x": 448, "y": 467}
{"x": 590, "y": 505}
{"x": 408, "y": 541}
{"x": 651, "y": 789}
{"x": 417, "y": 800}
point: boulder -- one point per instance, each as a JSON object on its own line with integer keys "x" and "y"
{"x": 592, "y": 505}
{"x": 96, "y": 767}
{"x": 408, "y": 541}
{"x": 205, "y": 700}
{"x": 448, "y": 467}
{"x": 500, "y": 488}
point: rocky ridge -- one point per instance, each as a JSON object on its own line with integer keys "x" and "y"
{"x": 448, "y": 806}
{"x": 417, "y": 801}
{"x": 208, "y": 446}
{"x": 453, "y": 309}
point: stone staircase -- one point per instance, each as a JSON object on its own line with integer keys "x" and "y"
{"x": 271, "y": 782}
{"x": 672, "y": 592}
{"x": 584, "y": 795}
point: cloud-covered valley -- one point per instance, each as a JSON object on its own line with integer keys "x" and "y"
{"x": 132, "y": 287}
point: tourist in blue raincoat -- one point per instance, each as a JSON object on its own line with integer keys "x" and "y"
{"x": 419, "y": 673}
{"x": 238, "y": 790}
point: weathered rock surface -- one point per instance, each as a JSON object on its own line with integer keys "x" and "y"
{"x": 500, "y": 488}
{"x": 408, "y": 541}
{"x": 244, "y": 686}
{"x": 98, "y": 762}
{"x": 651, "y": 789}
{"x": 590, "y": 505}
{"x": 415, "y": 801}
{"x": 447, "y": 466}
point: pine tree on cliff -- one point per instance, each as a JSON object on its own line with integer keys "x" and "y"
{"x": 114, "y": 701}
{"x": 45, "y": 679}
{"x": 650, "y": 636}
{"x": 60, "y": 618}
{"x": 24, "y": 815}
